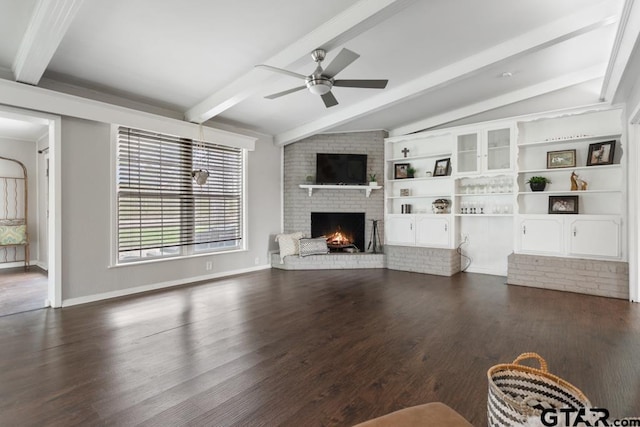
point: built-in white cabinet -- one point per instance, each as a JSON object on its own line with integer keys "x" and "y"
{"x": 400, "y": 230}
{"x": 409, "y": 197}
{"x": 418, "y": 230}
{"x": 484, "y": 151}
{"x": 594, "y": 236}
{"x": 542, "y": 234}
{"x": 433, "y": 230}
{"x": 583, "y": 236}
{"x": 557, "y": 148}
{"x": 488, "y": 191}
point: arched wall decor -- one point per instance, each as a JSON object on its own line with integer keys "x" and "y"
{"x": 13, "y": 215}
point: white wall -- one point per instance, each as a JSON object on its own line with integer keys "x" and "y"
{"x": 86, "y": 221}
{"x": 25, "y": 152}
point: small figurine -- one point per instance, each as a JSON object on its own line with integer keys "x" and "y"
{"x": 577, "y": 183}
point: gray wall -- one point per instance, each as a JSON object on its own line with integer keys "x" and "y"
{"x": 87, "y": 215}
{"x": 300, "y": 162}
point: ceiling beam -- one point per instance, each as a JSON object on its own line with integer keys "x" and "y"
{"x": 626, "y": 39}
{"x": 541, "y": 38}
{"x": 342, "y": 28}
{"x": 49, "y": 101}
{"x": 49, "y": 23}
{"x": 528, "y": 92}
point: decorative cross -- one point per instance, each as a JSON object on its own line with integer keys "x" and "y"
{"x": 405, "y": 151}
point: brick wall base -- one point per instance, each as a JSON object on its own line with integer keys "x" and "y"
{"x": 585, "y": 276}
{"x": 441, "y": 262}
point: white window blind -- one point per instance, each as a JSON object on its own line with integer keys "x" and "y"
{"x": 161, "y": 210}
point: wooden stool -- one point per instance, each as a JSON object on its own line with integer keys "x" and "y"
{"x": 430, "y": 414}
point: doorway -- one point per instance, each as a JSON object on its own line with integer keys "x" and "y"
{"x": 634, "y": 207}
{"x": 41, "y": 285}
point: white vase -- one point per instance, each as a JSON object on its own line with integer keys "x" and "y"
{"x": 373, "y": 183}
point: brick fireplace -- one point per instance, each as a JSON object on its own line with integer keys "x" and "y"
{"x": 300, "y": 163}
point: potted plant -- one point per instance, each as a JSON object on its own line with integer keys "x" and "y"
{"x": 538, "y": 183}
{"x": 411, "y": 172}
{"x": 372, "y": 180}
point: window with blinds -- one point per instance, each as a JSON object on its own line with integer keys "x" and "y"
{"x": 162, "y": 211}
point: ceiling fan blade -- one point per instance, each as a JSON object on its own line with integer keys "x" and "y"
{"x": 366, "y": 84}
{"x": 340, "y": 62}
{"x": 329, "y": 100}
{"x": 282, "y": 71}
{"x": 285, "y": 92}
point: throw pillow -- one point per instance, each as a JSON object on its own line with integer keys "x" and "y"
{"x": 315, "y": 246}
{"x": 13, "y": 234}
{"x": 289, "y": 244}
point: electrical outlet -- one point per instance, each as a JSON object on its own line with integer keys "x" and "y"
{"x": 257, "y": 261}
{"x": 209, "y": 265}
{"x": 464, "y": 237}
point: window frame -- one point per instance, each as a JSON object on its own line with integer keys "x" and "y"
{"x": 186, "y": 251}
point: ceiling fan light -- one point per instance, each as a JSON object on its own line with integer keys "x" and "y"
{"x": 319, "y": 86}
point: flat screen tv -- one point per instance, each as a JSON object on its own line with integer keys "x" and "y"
{"x": 341, "y": 169}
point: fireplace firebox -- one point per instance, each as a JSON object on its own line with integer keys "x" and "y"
{"x": 343, "y": 230}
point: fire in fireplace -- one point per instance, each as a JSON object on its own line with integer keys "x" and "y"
{"x": 341, "y": 229}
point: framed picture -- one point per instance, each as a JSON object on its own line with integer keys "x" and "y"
{"x": 563, "y": 204}
{"x": 601, "y": 153}
{"x": 442, "y": 167}
{"x": 401, "y": 170}
{"x": 561, "y": 159}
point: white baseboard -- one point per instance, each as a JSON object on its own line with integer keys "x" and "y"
{"x": 16, "y": 264}
{"x": 42, "y": 265}
{"x": 155, "y": 286}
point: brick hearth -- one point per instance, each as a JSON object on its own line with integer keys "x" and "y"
{"x": 330, "y": 261}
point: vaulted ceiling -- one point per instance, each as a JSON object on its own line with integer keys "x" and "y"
{"x": 446, "y": 60}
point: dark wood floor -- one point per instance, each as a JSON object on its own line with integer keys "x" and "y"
{"x": 22, "y": 290}
{"x": 301, "y": 348}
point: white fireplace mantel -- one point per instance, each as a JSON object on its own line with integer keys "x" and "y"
{"x": 367, "y": 188}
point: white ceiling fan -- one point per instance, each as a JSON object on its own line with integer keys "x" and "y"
{"x": 322, "y": 80}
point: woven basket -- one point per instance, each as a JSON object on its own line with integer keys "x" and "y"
{"x": 517, "y": 392}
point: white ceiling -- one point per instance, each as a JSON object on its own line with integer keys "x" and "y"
{"x": 21, "y": 130}
{"x": 195, "y": 58}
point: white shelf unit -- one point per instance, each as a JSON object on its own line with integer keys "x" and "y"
{"x": 605, "y": 183}
{"x": 424, "y": 188}
{"x": 519, "y": 149}
{"x": 484, "y": 195}
{"x": 422, "y": 227}
{"x": 366, "y": 188}
{"x": 597, "y": 231}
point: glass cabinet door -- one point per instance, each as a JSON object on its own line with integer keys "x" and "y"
{"x": 467, "y": 153}
{"x": 498, "y": 155}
